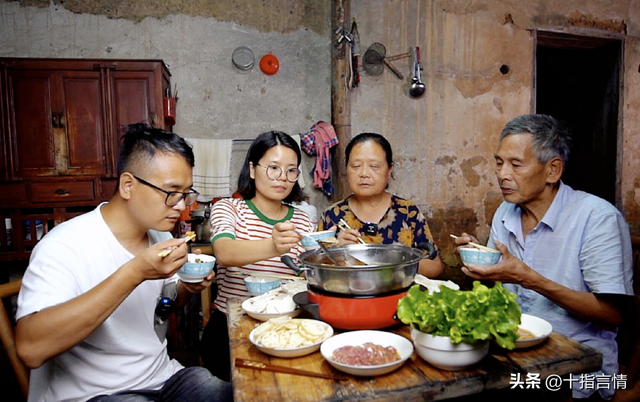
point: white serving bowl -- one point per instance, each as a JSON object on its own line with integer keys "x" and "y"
{"x": 441, "y": 353}
{"x": 358, "y": 338}
{"x": 246, "y": 306}
{"x": 537, "y": 326}
{"x": 292, "y": 352}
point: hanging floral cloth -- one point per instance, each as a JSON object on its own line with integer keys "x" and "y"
{"x": 318, "y": 142}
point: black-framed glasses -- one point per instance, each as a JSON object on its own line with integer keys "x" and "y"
{"x": 173, "y": 197}
{"x": 274, "y": 172}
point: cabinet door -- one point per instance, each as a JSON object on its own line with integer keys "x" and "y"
{"x": 30, "y": 113}
{"x": 83, "y": 124}
{"x": 132, "y": 101}
{"x": 133, "y": 98}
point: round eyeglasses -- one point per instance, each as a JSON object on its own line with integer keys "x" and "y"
{"x": 274, "y": 172}
{"x": 173, "y": 197}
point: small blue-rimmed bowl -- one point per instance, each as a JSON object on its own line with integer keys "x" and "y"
{"x": 310, "y": 240}
{"x": 472, "y": 255}
{"x": 197, "y": 268}
{"x": 257, "y": 286}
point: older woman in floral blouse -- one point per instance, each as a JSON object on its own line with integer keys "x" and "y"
{"x": 375, "y": 215}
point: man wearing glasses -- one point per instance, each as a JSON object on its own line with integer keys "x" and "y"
{"x": 86, "y": 307}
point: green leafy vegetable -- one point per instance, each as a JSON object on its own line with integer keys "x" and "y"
{"x": 471, "y": 316}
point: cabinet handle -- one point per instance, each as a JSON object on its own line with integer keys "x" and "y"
{"x": 61, "y": 120}
{"x": 62, "y": 191}
{"x": 54, "y": 120}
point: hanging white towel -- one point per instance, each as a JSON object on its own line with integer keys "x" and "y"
{"x": 301, "y": 183}
{"x": 212, "y": 168}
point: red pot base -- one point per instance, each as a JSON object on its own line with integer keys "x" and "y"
{"x": 357, "y": 313}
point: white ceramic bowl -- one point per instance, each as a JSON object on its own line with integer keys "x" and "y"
{"x": 358, "y": 338}
{"x": 537, "y": 326}
{"x": 292, "y": 352}
{"x": 441, "y": 353}
{"x": 259, "y": 285}
{"x": 472, "y": 255}
{"x": 195, "y": 272}
{"x": 267, "y": 316}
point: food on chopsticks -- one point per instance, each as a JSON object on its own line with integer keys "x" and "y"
{"x": 188, "y": 236}
{"x": 288, "y": 333}
{"x": 525, "y": 334}
{"x": 369, "y": 354}
{"x": 469, "y": 316}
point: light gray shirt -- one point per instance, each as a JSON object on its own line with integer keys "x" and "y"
{"x": 583, "y": 243}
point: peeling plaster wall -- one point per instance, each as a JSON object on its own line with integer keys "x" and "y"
{"x": 196, "y": 39}
{"x": 444, "y": 142}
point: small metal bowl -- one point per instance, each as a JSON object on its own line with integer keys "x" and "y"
{"x": 242, "y": 58}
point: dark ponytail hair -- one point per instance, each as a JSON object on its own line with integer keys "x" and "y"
{"x": 259, "y": 147}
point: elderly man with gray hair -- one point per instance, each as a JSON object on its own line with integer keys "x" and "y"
{"x": 566, "y": 254}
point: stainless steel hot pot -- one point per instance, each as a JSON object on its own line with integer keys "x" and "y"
{"x": 388, "y": 269}
{"x": 359, "y": 296}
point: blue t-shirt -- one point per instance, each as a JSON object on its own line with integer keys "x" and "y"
{"x": 582, "y": 243}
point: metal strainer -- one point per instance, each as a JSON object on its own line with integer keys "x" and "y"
{"x": 375, "y": 59}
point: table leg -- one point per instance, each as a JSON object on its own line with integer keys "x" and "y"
{"x": 205, "y": 296}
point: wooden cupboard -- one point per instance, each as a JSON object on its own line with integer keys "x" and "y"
{"x": 60, "y": 125}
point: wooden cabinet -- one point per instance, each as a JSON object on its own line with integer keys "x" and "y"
{"x": 60, "y": 127}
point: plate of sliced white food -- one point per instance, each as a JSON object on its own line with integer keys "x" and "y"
{"x": 290, "y": 337}
{"x": 275, "y": 303}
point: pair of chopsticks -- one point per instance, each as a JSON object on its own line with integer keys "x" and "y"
{"x": 479, "y": 246}
{"x": 188, "y": 237}
{"x": 343, "y": 225}
{"x": 250, "y": 364}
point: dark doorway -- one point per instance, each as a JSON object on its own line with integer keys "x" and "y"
{"x": 577, "y": 82}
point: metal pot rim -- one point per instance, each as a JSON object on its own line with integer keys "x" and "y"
{"x": 414, "y": 255}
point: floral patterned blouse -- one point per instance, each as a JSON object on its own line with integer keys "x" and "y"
{"x": 403, "y": 223}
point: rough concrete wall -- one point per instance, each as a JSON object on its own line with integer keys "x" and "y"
{"x": 630, "y": 166}
{"x": 196, "y": 39}
{"x": 444, "y": 142}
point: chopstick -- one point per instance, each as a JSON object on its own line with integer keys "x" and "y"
{"x": 265, "y": 275}
{"x": 190, "y": 236}
{"x": 345, "y": 226}
{"x": 250, "y": 364}
{"x": 480, "y": 246}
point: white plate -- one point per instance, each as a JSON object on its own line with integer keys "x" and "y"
{"x": 294, "y": 352}
{"x": 268, "y": 316}
{"x": 358, "y": 338}
{"x": 537, "y": 326}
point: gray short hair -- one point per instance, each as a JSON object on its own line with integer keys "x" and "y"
{"x": 550, "y": 138}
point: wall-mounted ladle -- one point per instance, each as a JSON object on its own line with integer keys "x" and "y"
{"x": 417, "y": 88}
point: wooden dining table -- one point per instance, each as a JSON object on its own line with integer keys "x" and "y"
{"x": 415, "y": 380}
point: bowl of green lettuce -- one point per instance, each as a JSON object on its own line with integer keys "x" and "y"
{"x": 474, "y": 317}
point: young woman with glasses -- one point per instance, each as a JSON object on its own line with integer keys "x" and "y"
{"x": 251, "y": 234}
{"x": 374, "y": 214}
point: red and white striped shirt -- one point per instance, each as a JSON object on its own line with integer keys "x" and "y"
{"x": 239, "y": 219}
